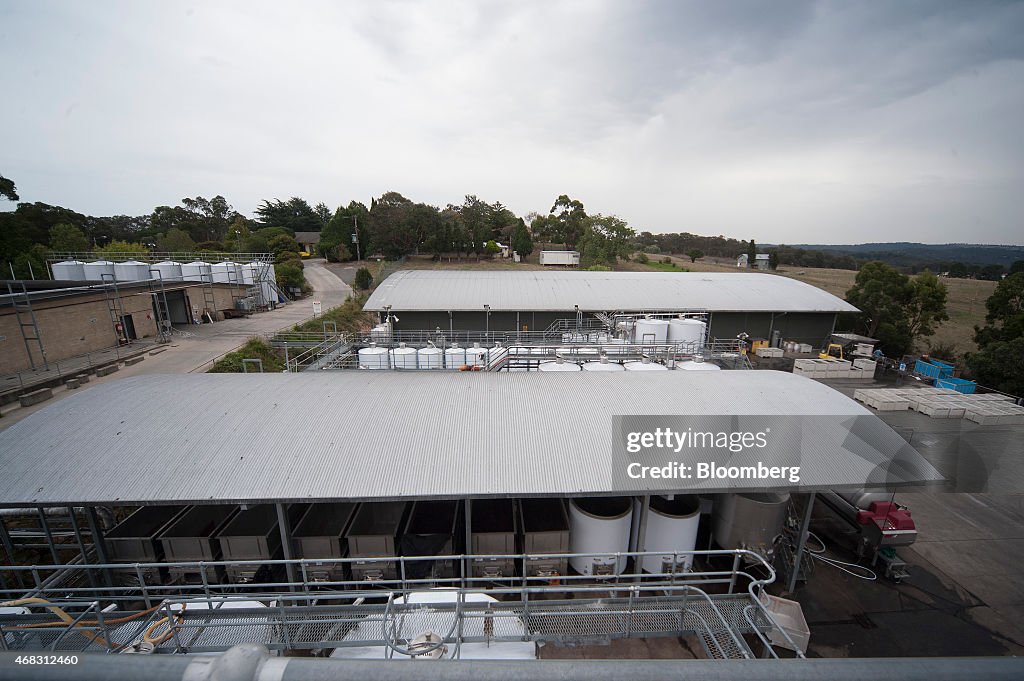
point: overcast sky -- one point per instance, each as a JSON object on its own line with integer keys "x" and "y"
{"x": 783, "y": 121}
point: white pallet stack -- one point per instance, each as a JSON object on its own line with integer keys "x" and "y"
{"x": 942, "y": 403}
{"x": 834, "y": 368}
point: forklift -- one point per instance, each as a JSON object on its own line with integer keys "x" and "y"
{"x": 848, "y": 345}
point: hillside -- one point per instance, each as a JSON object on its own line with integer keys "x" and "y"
{"x": 908, "y": 254}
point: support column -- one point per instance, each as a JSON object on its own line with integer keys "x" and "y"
{"x": 466, "y": 565}
{"x": 49, "y": 535}
{"x": 98, "y": 542}
{"x": 81, "y": 544}
{"x": 5, "y": 538}
{"x": 285, "y": 528}
{"x": 641, "y": 535}
{"x": 801, "y": 543}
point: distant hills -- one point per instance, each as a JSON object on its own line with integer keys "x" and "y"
{"x": 909, "y": 254}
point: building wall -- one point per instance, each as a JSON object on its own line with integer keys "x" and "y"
{"x": 80, "y": 324}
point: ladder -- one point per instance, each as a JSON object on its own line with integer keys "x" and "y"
{"x": 114, "y": 307}
{"x": 27, "y": 324}
{"x": 209, "y": 302}
{"x": 159, "y": 297}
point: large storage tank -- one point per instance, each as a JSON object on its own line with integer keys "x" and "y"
{"x": 558, "y": 365}
{"x": 602, "y": 365}
{"x": 476, "y": 355}
{"x": 750, "y": 520}
{"x": 454, "y": 357}
{"x": 686, "y": 331}
{"x": 644, "y": 365}
{"x": 698, "y": 364}
{"x": 671, "y": 526}
{"x": 131, "y": 270}
{"x": 68, "y": 270}
{"x": 250, "y": 273}
{"x": 403, "y": 357}
{"x": 649, "y": 331}
{"x": 430, "y": 358}
{"x": 197, "y": 270}
{"x": 169, "y": 270}
{"x": 226, "y": 272}
{"x": 599, "y": 525}
{"x": 373, "y": 357}
{"x": 95, "y": 270}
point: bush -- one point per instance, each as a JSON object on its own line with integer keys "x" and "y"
{"x": 364, "y": 279}
{"x": 599, "y": 268}
{"x": 289, "y": 274}
{"x": 255, "y": 348}
{"x": 667, "y": 260}
{"x": 652, "y": 249}
{"x": 643, "y": 259}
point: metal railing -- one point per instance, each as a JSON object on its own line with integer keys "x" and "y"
{"x": 159, "y": 256}
{"x": 717, "y": 605}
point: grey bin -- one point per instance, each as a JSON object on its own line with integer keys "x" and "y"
{"x": 252, "y": 534}
{"x": 374, "y": 534}
{"x": 133, "y": 540}
{"x": 191, "y": 537}
{"x": 432, "y": 529}
{"x": 321, "y": 534}
{"x": 545, "y": 526}
{"x": 494, "y": 525}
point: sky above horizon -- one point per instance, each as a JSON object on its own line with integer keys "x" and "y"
{"x": 788, "y": 122}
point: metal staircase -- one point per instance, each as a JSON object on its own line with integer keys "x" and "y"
{"x": 27, "y": 324}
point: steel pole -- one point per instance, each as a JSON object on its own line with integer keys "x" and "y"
{"x": 801, "y": 543}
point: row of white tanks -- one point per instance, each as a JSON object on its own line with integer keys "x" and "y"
{"x": 404, "y": 357}
{"x": 245, "y": 274}
{"x": 610, "y": 525}
{"x": 455, "y": 357}
{"x": 653, "y": 330}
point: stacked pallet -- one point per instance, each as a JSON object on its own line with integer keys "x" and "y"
{"x": 859, "y": 369}
{"x": 942, "y": 403}
{"x": 769, "y": 352}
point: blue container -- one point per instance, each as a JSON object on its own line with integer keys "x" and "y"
{"x": 958, "y": 384}
{"x": 933, "y": 369}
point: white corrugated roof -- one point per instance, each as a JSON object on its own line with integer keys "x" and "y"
{"x": 374, "y": 435}
{"x": 444, "y": 290}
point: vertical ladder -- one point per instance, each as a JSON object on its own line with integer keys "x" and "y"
{"x": 27, "y": 324}
{"x": 114, "y": 307}
{"x": 209, "y": 301}
{"x": 163, "y": 313}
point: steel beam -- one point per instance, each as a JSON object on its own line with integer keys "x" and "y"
{"x": 801, "y": 543}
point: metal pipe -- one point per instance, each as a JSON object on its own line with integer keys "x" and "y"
{"x": 253, "y": 663}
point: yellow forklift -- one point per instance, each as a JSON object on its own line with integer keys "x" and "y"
{"x": 848, "y": 345}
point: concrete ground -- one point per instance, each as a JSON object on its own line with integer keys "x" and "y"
{"x": 195, "y": 348}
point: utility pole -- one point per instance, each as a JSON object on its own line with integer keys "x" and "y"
{"x": 355, "y": 235}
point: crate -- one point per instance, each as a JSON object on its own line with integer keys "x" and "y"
{"x": 494, "y": 531}
{"x": 960, "y": 385}
{"x": 374, "y": 534}
{"x": 321, "y": 534}
{"x": 432, "y": 529}
{"x": 544, "y": 523}
{"x": 133, "y": 540}
{"x": 789, "y": 617}
{"x": 934, "y": 369}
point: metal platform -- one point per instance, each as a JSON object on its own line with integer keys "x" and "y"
{"x": 721, "y": 608}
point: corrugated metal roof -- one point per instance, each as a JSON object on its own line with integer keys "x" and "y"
{"x": 444, "y": 290}
{"x": 364, "y": 435}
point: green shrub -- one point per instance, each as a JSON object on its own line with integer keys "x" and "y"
{"x": 643, "y": 259}
{"x": 254, "y": 348}
{"x": 364, "y": 279}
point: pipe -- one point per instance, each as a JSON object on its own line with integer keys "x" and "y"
{"x": 251, "y": 662}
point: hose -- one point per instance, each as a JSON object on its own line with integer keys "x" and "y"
{"x": 155, "y": 641}
{"x": 67, "y": 619}
{"x": 867, "y": 575}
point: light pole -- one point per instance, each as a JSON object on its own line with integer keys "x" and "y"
{"x": 487, "y": 322}
{"x": 355, "y": 234}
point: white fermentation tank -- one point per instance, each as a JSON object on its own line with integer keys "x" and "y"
{"x": 599, "y": 525}
{"x": 455, "y": 357}
{"x": 644, "y": 365}
{"x": 197, "y": 270}
{"x": 650, "y": 331}
{"x": 602, "y": 365}
{"x": 403, "y": 357}
{"x": 558, "y": 365}
{"x": 698, "y": 364}
{"x": 430, "y": 358}
{"x": 169, "y": 270}
{"x": 68, "y": 270}
{"x": 95, "y": 270}
{"x": 672, "y": 524}
{"x": 687, "y": 332}
{"x": 749, "y": 520}
{"x": 373, "y": 357}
